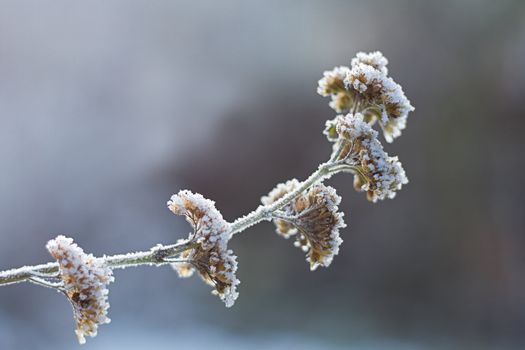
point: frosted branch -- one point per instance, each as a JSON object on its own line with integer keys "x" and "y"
{"x": 307, "y": 211}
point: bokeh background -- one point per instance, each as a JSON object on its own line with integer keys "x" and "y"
{"x": 109, "y": 107}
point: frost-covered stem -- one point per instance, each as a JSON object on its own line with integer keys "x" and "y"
{"x": 337, "y": 152}
{"x": 158, "y": 255}
{"x": 281, "y": 215}
{"x": 155, "y": 256}
{"x": 323, "y": 172}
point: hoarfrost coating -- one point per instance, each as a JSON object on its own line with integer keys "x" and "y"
{"x": 374, "y": 59}
{"x": 209, "y": 226}
{"x": 85, "y": 279}
{"x": 366, "y": 86}
{"x": 376, "y": 173}
{"x": 313, "y": 218}
{"x": 215, "y": 263}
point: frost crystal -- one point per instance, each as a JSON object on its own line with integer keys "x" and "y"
{"x": 314, "y": 220}
{"x": 375, "y": 172}
{"x": 367, "y": 86}
{"x": 214, "y": 262}
{"x": 85, "y": 281}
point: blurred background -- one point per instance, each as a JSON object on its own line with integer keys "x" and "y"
{"x": 109, "y": 107}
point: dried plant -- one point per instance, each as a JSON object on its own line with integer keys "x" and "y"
{"x": 307, "y": 210}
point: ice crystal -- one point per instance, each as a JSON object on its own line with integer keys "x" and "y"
{"x": 85, "y": 280}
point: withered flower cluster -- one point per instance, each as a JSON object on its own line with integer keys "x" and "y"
{"x": 85, "y": 279}
{"x": 375, "y": 172}
{"x": 214, "y": 262}
{"x": 371, "y": 96}
{"x": 313, "y": 218}
{"x": 365, "y": 86}
{"x": 368, "y": 95}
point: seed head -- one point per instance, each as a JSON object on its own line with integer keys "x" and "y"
{"x": 318, "y": 222}
{"x": 382, "y": 94}
{"x": 314, "y": 220}
{"x": 332, "y": 84}
{"x": 209, "y": 226}
{"x": 332, "y": 81}
{"x": 376, "y": 173}
{"x": 85, "y": 281}
{"x": 373, "y": 59}
{"x": 368, "y": 87}
{"x": 214, "y": 262}
{"x": 217, "y": 268}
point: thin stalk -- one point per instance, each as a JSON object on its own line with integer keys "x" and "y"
{"x": 155, "y": 256}
{"x": 262, "y": 213}
{"x": 283, "y": 216}
{"x": 159, "y": 255}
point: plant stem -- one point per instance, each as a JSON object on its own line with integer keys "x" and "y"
{"x": 265, "y": 212}
{"x": 159, "y": 254}
{"x": 155, "y": 256}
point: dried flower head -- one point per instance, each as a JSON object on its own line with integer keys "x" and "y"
{"x": 333, "y": 81}
{"x": 333, "y": 84}
{"x": 367, "y": 86}
{"x": 385, "y": 98}
{"x": 85, "y": 281}
{"x": 315, "y": 220}
{"x": 208, "y": 224}
{"x": 216, "y": 267}
{"x": 374, "y": 59}
{"x": 318, "y": 222}
{"x": 214, "y": 262}
{"x": 376, "y": 173}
